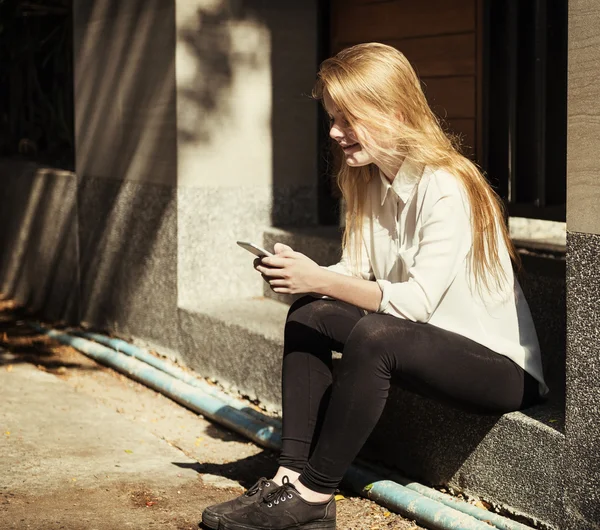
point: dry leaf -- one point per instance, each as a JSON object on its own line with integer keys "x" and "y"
{"x": 9, "y": 368}
{"x": 483, "y": 505}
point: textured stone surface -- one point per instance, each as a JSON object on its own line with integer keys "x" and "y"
{"x": 211, "y": 266}
{"x": 543, "y": 282}
{"x": 38, "y": 240}
{"x": 239, "y": 343}
{"x": 128, "y": 234}
{"x": 582, "y": 497}
{"x": 514, "y": 459}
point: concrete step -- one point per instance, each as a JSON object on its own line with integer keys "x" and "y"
{"x": 238, "y": 343}
{"x": 514, "y": 458}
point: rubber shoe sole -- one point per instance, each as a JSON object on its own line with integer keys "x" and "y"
{"x": 312, "y": 525}
{"x": 211, "y": 520}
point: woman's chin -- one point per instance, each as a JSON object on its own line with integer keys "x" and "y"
{"x": 358, "y": 161}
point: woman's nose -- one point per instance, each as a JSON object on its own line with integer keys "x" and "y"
{"x": 336, "y": 133}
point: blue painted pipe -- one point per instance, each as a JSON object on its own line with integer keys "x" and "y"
{"x": 410, "y": 504}
{"x": 500, "y": 522}
{"x": 175, "y": 371}
{"x": 425, "y": 505}
{"x": 187, "y": 395}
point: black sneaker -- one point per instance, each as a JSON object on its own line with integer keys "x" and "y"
{"x": 213, "y": 514}
{"x": 282, "y": 509}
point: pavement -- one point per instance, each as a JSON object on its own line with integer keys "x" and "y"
{"x": 83, "y": 447}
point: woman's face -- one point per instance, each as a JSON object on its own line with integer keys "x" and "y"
{"x": 340, "y": 131}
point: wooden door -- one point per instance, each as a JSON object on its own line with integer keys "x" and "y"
{"x": 440, "y": 39}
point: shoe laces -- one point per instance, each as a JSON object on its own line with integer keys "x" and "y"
{"x": 259, "y": 486}
{"x": 281, "y": 494}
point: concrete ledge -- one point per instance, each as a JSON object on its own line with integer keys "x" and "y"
{"x": 39, "y": 250}
{"x": 514, "y": 459}
{"x": 238, "y": 343}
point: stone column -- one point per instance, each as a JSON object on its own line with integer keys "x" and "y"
{"x": 126, "y": 164}
{"x": 582, "y": 497}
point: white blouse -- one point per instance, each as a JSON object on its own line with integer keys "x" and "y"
{"x": 417, "y": 240}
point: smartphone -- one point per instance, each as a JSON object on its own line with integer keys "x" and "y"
{"x": 255, "y": 249}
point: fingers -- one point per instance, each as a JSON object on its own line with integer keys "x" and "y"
{"x": 270, "y": 272}
{"x": 280, "y": 247}
{"x": 277, "y": 283}
{"x": 274, "y": 261}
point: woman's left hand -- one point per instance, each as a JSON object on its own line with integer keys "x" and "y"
{"x": 290, "y": 272}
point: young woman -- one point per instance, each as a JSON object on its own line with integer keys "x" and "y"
{"x": 424, "y": 293}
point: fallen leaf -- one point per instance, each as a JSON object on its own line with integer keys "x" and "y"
{"x": 483, "y": 505}
{"x": 128, "y": 451}
{"x": 7, "y": 433}
{"x": 387, "y": 514}
{"x": 339, "y": 498}
{"x": 552, "y": 421}
{"x": 150, "y": 503}
{"x": 9, "y": 368}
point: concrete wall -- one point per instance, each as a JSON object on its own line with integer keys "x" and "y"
{"x": 582, "y": 497}
{"x": 191, "y": 134}
{"x": 246, "y": 140}
{"x": 126, "y": 165}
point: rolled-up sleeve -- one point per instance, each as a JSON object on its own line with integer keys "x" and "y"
{"x": 444, "y": 243}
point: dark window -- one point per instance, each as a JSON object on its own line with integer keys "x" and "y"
{"x": 525, "y": 100}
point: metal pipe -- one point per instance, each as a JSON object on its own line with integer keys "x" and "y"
{"x": 189, "y": 396}
{"x": 411, "y": 504}
{"x": 177, "y": 372}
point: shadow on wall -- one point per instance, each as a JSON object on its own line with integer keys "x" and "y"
{"x": 126, "y": 165}
{"x": 244, "y": 77}
{"x": 100, "y": 246}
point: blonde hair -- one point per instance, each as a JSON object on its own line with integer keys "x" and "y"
{"x": 378, "y": 92}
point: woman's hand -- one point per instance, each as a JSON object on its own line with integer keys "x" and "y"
{"x": 289, "y": 272}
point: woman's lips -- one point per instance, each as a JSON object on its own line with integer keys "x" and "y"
{"x": 349, "y": 149}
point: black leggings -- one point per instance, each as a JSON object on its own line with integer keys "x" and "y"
{"x": 327, "y": 421}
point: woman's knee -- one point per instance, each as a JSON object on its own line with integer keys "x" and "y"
{"x": 375, "y": 340}
{"x": 309, "y": 311}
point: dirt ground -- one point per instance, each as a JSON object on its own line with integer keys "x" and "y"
{"x": 85, "y": 447}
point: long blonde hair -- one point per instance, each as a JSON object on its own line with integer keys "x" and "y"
{"x": 378, "y": 92}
